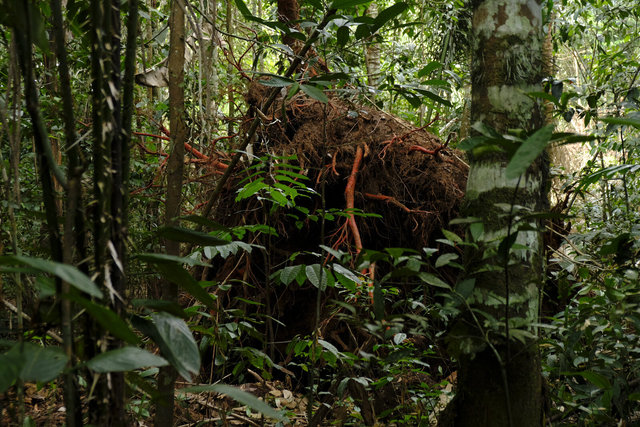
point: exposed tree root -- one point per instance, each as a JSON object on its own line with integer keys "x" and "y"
{"x": 349, "y": 196}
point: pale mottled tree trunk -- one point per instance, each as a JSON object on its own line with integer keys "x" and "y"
{"x": 499, "y": 380}
{"x": 372, "y": 53}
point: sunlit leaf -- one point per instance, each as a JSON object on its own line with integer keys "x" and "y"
{"x": 530, "y": 149}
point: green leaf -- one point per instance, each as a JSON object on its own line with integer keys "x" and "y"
{"x": 10, "y": 367}
{"x": 528, "y": 152}
{"x": 177, "y": 344}
{"x": 276, "y": 81}
{"x": 434, "y": 97}
{"x": 595, "y": 378}
{"x": 67, "y": 273}
{"x": 465, "y": 288}
{"x": 175, "y": 273}
{"x": 622, "y": 121}
{"x": 344, "y": 4}
{"x": 205, "y": 222}
{"x": 433, "y": 280}
{"x": 244, "y": 10}
{"x": 444, "y": 259}
{"x": 125, "y": 359}
{"x": 315, "y": 275}
{"x": 164, "y": 258}
{"x": 429, "y": 68}
{"x": 161, "y": 305}
{"x": 186, "y": 235}
{"x": 241, "y": 396}
{"x": 250, "y": 189}
{"x": 470, "y": 143}
{"x": 289, "y": 274}
{"x": 41, "y": 364}
{"x": 342, "y": 35}
{"x": 315, "y": 93}
{"x": 546, "y": 96}
{"x": 452, "y": 236}
{"x": 387, "y": 15}
{"x": 108, "y": 319}
{"x": 363, "y": 31}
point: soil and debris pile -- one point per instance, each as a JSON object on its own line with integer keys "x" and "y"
{"x": 406, "y": 176}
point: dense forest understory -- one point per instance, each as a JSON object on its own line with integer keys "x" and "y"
{"x": 309, "y": 213}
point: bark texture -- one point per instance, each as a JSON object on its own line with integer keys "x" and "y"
{"x": 175, "y": 170}
{"x": 499, "y": 381}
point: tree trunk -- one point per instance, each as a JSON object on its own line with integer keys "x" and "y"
{"x": 175, "y": 167}
{"x": 372, "y": 53}
{"x": 499, "y": 380}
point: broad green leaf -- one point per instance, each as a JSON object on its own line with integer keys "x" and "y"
{"x": 163, "y": 258}
{"x": 342, "y": 35}
{"x": 329, "y": 347}
{"x": 429, "y": 68}
{"x": 10, "y": 367}
{"x": 315, "y": 93}
{"x": 108, "y": 319}
{"x": 344, "y": 4}
{"x": 65, "y": 272}
{"x": 435, "y": 82}
{"x": 244, "y": 10}
{"x": 528, "y": 152}
{"x": 452, "y": 236}
{"x": 276, "y": 81}
{"x": 315, "y": 275}
{"x": 41, "y": 364}
{"x": 545, "y": 96}
{"x": 622, "y": 121}
{"x": 250, "y": 189}
{"x": 470, "y": 143}
{"x": 465, "y": 288}
{"x": 289, "y": 274}
{"x": 175, "y": 273}
{"x": 161, "y": 305}
{"x": 444, "y": 259}
{"x": 186, "y": 235}
{"x": 486, "y": 130}
{"x": 125, "y": 359}
{"x": 177, "y": 344}
{"x": 608, "y": 173}
{"x": 205, "y": 222}
{"x": 433, "y": 280}
{"x": 363, "y": 31}
{"x": 387, "y": 15}
{"x": 293, "y": 90}
{"x": 241, "y": 396}
{"x": 595, "y": 378}
{"x": 434, "y": 97}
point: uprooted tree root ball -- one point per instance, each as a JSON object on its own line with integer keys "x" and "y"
{"x": 355, "y": 158}
{"x": 406, "y": 175}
